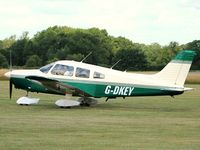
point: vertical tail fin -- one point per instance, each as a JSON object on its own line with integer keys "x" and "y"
{"x": 176, "y": 71}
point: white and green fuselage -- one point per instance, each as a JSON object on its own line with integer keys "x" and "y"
{"x": 98, "y": 81}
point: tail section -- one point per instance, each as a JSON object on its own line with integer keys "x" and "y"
{"x": 176, "y": 71}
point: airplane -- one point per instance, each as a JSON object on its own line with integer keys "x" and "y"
{"x": 87, "y": 81}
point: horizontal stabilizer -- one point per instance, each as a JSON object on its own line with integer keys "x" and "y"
{"x": 188, "y": 89}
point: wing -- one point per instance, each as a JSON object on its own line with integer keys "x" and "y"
{"x": 56, "y": 86}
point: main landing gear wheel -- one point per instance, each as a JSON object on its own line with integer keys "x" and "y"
{"x": 66, "y": 103}
{"x": 86, "y": 101}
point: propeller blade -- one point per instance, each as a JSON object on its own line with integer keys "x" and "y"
{"x": 9, "y": 75}
{"x": 10, "y": 90}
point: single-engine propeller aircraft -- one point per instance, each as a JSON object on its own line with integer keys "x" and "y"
{"x": 87, "y": 81}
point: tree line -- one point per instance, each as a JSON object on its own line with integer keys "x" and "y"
{"x": 61, "y": 42}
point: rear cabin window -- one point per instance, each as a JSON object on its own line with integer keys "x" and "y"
{"x": 63, "y": 70}
{"x": 98, "y": 75}
{"x": 82, "y": 73}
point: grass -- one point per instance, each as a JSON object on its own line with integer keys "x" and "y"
{"x": 2, "y": 72}
{"x": 152, "y": 123}
{"x": 193, "y": 78}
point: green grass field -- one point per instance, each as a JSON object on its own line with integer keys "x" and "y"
{"x": 152, "y": 123}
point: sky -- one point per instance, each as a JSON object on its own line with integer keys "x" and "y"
{"x": 142, "y": 21}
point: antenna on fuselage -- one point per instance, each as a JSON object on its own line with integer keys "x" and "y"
{"x": 115, "y": 64}
{"x": 86, "y": 56}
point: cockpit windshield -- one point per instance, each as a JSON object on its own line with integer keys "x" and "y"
{"x": 45, "y": 69}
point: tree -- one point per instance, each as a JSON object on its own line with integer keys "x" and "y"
{"x": 18, "y": 49}
{"x": 158, "y": 56}
{"x": 7, "y": 42}
{"x": 153, "y": 54}
{"x": 120, "y": 43}
{"x": 62, "y": 42}
{"x": 3, "y": 61}
{"x": 195, "y": 45}
{"x": 170, "y": 51}
{"x": 76, "y": 57}
{"x": 33, "y": 61}
{"x": 131, "y": 59}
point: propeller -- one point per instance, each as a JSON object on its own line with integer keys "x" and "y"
{"x": 10, "y": 80}
{"x": 10, "y": 89}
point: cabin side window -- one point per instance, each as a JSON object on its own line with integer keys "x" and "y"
{"x": 45, "y": 69}
{"x": 98, "y": 75}
{"x": 82, "y": 73}
{"x": 63, "y": 70}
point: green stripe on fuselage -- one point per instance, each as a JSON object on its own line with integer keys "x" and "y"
{"x": 28, "y": 85}
{"x": 109, "y": 90}
{"x": 97, "y": 89}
